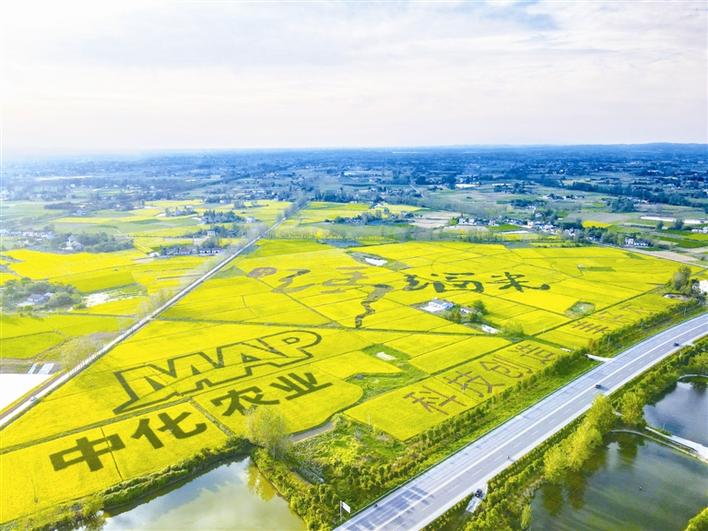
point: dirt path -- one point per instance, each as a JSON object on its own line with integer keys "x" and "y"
{"x": 327, "y": 426}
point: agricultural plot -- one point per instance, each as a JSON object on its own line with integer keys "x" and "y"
{"x": 87, "y": 461}
{"x": 125, "y": 277}
{"x": 115, "y": 286}
{"x": 29, "y": 336}
{"x": 317, "y": 218}
{"x": 151, "y": 228}
{"x": 25, "y": 213}
{"x": 414, "y": 408}
{"x": 305, "y": 328}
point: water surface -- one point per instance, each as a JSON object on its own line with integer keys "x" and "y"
{"x": 682, "y": 410}
{"x": 231, "y": 496}
{"x": 631, "y": 483}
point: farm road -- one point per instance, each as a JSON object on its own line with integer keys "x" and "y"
{"x": 426, "y": 497}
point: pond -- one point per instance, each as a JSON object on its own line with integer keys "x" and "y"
{"x": 682, "y": 410}
{"x": 631, "y": 483}
{"x": 231, "y": 496}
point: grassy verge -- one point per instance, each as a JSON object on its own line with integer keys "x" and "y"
{"x": 377, "y": 384}
{"x": 698, "y": 522}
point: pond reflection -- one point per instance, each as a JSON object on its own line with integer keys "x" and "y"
{"x": 682, "y": 410}
{"x": 231, "y": 496}
{"x": 631, "y": 483}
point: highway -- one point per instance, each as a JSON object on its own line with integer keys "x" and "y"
{"x": 426, "y": 497}
{"x": 18, "y": 409}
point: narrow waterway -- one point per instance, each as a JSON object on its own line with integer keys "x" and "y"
{"x": 231, "y": 496}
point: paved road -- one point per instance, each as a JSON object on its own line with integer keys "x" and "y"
{"x": 18, "y": 409}
{"x": 426, "y": 497}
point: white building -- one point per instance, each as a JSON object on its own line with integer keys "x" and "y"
{"x": 703, "y": 286}
{"x": 437, "y": 306}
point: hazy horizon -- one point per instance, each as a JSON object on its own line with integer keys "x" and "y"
{"x": 120, "y": 78}
{"x": 130, "y": 153}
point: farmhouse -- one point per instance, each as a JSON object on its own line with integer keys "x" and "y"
{"x": 36, "y": 299}
{"x": 635, "y": 242}
{"x": 703, "y": 286}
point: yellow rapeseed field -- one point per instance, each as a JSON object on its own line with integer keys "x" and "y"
{"x": 295, "y": 326}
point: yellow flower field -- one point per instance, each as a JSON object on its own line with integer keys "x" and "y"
{"x": 412, "y": 409}
{"x": 76, "y": 465}
{"x": 297, "y": 326}
{"x": 25, "y": 336}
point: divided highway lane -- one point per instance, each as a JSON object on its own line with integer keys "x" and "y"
{"x": 14, "y": 412}
{"x": 420, "y": 501}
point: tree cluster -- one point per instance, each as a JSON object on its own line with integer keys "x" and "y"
{"x": 266, "y": 427}
{"x": 681, "y": 281}
{"x": 99, "y": 242}
{"x": 472, "y": 314}
{"x": 317, "y": 505}
{"x": 217, "y": 216}
{"x": 635, "y": 191}
{"x": 654, "y": 383}
{"x": 15, "y": 292}
{"x": 622, "y": 204}
{"x": 574, "y": 451}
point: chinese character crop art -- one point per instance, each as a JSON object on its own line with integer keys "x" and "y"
{"x": 353, "y": 265}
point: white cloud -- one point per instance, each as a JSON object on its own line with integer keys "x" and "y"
{"x": 137, "y": 75}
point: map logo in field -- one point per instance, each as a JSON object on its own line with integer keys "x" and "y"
{"x": 152, "y": 383}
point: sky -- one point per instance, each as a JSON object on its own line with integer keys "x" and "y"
{"x": 103, "y": 76}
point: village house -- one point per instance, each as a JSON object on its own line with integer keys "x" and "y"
{"x": 36, "y": 299}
